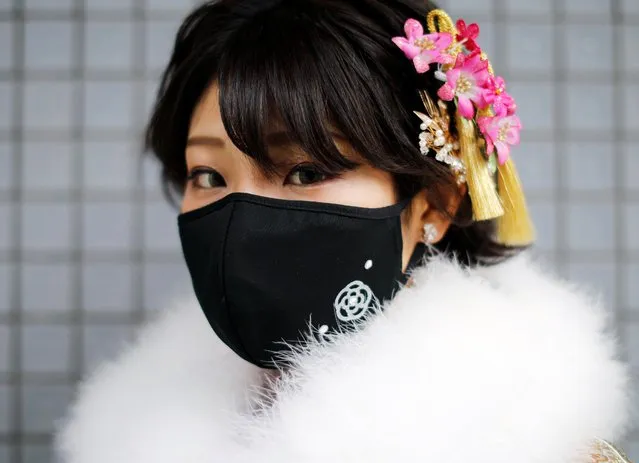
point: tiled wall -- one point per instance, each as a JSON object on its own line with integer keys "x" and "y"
{"x": 87, "y": 245}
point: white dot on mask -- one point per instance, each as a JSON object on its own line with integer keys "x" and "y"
{"x": 368, "y": 265}
{"x": 353, "y": 300}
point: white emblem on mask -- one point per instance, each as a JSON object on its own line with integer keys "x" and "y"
{"x": 355, "y": 301}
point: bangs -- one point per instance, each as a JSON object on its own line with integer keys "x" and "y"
{"x": 310, "y": 69}
{"x": 296, "y": 73}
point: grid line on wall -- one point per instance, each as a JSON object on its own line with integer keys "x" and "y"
{"x": 618, "y": 95}
{"x": 140, "y": 194}
{"x": 559, "y": 129}
{"x": 16, "y": 435}
{"x": 76, "y": 350}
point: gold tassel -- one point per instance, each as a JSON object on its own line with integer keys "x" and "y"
{"x": 481, "y": 186}
{"x": 515, "y": 227}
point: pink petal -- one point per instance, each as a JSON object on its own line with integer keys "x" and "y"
{"x": 512, "y": 136}
{"x": 499, "y": 108}
{"x": 410, "y": 50}
{"x": 489, "y": 145}
{"x": 503, "y": 152}
{"x": 460, "y": 61}
{"x": 401, "y": 41}
{"x": 452, "y": 76}
{"x": 413, "y": 29}
{"x": 508, "y": 100}
{"x": 475, "y": 94}
{"x": 482, "y": 122}
{"x": 422, "y": 62}
{"x": 488, "y": 95}
{"x": 446, "y": 92}
{"x": 515, "y": 122}
{"x": 442, "y": 40}
{"x": 481, "y": 75}
{"x": 465, "y": 106}
{"x": 473, "y": 60}
{"x": 481, "y": 100}
{"x": 446, "y": 58}
{"x": 475, "y": 64}
{"x": 438, "y": 57}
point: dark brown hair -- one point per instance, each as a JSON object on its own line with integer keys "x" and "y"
{"x": 312, "y": 63}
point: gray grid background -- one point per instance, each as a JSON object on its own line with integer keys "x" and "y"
{"x": 88, "y": 247}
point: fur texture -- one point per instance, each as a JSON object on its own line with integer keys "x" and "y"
{"x": 501, "y": 365}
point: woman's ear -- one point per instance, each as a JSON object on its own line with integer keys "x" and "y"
{"x": 424, "y": 222}
{"x": 436, "y": 221}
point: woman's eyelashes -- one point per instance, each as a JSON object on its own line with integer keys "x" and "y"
{"x": 307, "y": 174}
{"x": 205, "y": 178}
{"x": 301, "y": 175}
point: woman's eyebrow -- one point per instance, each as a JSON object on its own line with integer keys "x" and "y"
{"x": 214, "y": 142}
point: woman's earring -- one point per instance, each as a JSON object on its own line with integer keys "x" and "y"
{"x": 430, "y": 233}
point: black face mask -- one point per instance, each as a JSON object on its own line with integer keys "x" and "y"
{"x": 265, "y": 270}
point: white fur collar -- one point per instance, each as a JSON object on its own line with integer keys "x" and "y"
{"x": 500, "y": 365}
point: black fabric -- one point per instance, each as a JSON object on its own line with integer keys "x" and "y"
{"x": 264, "y": 269}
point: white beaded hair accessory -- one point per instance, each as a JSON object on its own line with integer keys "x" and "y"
{"x": 435, "y": 136}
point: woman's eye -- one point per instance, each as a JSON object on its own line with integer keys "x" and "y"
{"x": 306, "y": 174}
{"x": 206, "y": 179}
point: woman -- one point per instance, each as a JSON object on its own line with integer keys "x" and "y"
{"x": 359, "y": 293}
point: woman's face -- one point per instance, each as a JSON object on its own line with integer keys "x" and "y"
{"x": 216, "y": 168}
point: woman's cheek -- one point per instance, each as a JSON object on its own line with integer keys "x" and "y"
{"x": 195, "y": 198}
{"x": 364, "y": 187}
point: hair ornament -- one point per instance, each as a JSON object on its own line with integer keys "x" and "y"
{"x": 485, "y": 117}
{"x": 436, "y": 136}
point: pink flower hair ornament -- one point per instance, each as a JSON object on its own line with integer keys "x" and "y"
{"x": 467, "y": 81}
{"x": 424, "y": 49}
{"x": 500, "y": 134}
{"x": 466, "y": 74}
{"x": 497, "y": 97}
{"x": 485, "y": 118}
